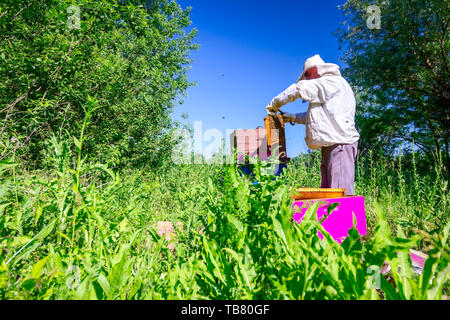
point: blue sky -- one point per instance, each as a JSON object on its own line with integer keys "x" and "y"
{"x": 251, "y": 50}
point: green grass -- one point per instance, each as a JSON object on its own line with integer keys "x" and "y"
{"x": 77, "y": 230}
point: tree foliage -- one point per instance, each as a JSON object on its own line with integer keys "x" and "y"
{"x": 131, "y": 55}
{"x": 401, "y": 71}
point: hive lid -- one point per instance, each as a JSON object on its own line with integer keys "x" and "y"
{"x": 317, "y": 193}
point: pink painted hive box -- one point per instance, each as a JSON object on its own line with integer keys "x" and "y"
{"x": 340, "y": 220}
{"x": 251, "y": 142}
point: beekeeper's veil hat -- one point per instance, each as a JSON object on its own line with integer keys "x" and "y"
{"x": 322, "y": 67}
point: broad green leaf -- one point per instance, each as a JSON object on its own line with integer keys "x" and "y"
{"x": 279, "y": 231}
{"x": 77, "y": 143}
{"x": 37, "y": 215}
{"x": 331, "y": 207}
{"x": 81, "y": 293}
{"x": 3, "y": 274}
{"x": 104, "y": 283}
{"x": 25, "y": 249}
{"x": 37, "y": 268}
{"x": 213, "y": 260}
{"x": 20, "y": 241}
{"x": 122, "y": 226}
{"x": 443, "y": 277}
{"x": 233, "y": 220}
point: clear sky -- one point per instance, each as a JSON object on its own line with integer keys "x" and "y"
{"x": 251, "y": 50}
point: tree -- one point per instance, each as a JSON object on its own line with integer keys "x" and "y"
{"x": 131, "y": 55}
{"x": 401, "y": 71}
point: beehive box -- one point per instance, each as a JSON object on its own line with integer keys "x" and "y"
{"x": 340, "y": 220}
{"x": 251, "y": 142}
{"x": 276, "y": 137}
{"x": 261, "y": 142}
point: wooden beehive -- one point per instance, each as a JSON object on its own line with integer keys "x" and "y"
{"x": 251, "y": 142}
{"x": 276, "y": 137}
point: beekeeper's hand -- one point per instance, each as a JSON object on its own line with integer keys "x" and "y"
{"x": 289, "y": 117}
{"x": 272, "y": 110}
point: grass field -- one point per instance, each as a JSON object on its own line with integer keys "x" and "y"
{"x": 89, "y": 92}
{"x": 81, "y": 231}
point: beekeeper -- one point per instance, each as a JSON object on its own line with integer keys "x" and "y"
{"x": 329, "y": 121}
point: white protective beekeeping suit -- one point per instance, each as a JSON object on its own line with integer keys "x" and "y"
{"x": 330, "y": 118}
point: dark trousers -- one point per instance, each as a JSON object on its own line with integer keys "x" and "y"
{"x": 338, "y": 167}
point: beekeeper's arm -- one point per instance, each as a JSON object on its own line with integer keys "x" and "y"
{"x": 314, "y": 91}
{"x": 290, "y": 94}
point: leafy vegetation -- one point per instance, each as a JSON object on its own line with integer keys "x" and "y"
{"x": 400, "y": 72}
{"x": 132, "y": 55}
{"x": 83, "y": 232}
{"x": 84, "y": 138}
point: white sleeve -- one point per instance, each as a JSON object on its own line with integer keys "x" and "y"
{"x": 289, "y": 95}
{"x": 317, "y": 90}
